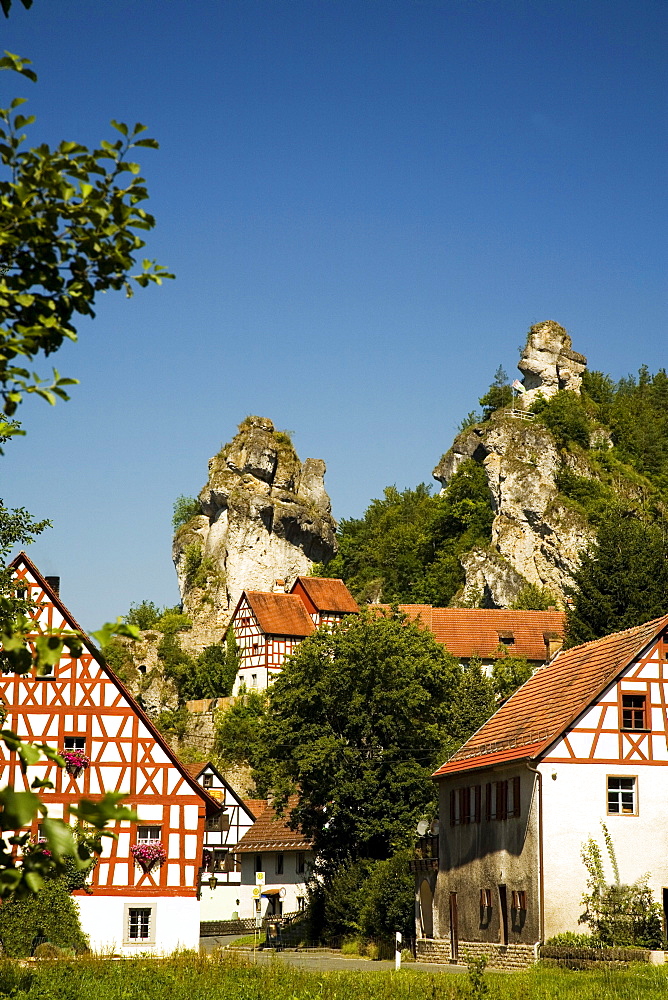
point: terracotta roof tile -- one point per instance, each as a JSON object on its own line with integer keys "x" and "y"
{"x": 280, "y": 614}
{"x": 256, "y": 806}
{"x": 467, "y": 632}
{"x": 549, "y": 702}
{"x": 328, "y": 595}
{"x": 272, "y": 833}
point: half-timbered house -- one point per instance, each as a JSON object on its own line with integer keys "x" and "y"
{"x": 81, "y": 705}
{"x": 267, "y": 628}
{"x": 221, "y": 865}
{"x": 327, "y": 601}
{"x": 584, "y": 741}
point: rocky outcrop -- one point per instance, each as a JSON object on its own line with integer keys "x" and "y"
{"x": 549, "y": 363}
{"x": 263, "y": 516}
{"x": 536, "y": 537}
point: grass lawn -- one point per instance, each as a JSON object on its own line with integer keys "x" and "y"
{"x": 229, "y": 977}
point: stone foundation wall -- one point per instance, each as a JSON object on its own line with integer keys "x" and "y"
{"x": 499, "y": 956}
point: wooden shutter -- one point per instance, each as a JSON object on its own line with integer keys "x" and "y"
{"x": 488, "y": 801}
{"x": 464, "y": 805}
{"x": 452, "y": 806}
{"x": 476, "y": 803}
{"x": 516, "y": 796}
{"x": 501, "y": 799}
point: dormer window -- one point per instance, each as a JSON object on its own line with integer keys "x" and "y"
{"x": 207, "y": 780}
{"x": 507, "y": 638}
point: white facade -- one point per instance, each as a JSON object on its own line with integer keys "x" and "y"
{"x": 173, "y": 923}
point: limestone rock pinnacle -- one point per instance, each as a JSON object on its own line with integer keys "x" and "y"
{"x": 549, "y": 363}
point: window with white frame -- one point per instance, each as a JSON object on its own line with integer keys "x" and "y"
{"x": 139, "y": 924}
{"x": 148, "y": 834}
{"x": 622, "y": 795}
{"x": 74, "y": 743}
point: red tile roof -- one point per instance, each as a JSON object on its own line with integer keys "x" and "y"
{"x": 280, "y": 614}
{"x": 256, "y": 806}
{"x": 272, "y": 833}
{"x": 328, "y": 595}
{"x": 467, "y": 632}
{"x": 550, "y": 701}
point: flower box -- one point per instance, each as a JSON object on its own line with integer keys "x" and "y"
{"x": 149, "y": 855}
{"x": 76, "y": 761}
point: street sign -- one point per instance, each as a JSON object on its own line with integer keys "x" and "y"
{"x": 258, "y": 920}
{"x": 259, "y": 878}
{"x": 257, "y": 891}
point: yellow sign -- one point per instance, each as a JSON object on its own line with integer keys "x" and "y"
{"x": 259, "y": 878}
{"x": 257, "y": 890}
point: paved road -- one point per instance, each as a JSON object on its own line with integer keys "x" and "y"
{"x": 328, "y": 962}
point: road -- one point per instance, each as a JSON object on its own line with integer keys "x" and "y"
{"x": 325, "y": 961}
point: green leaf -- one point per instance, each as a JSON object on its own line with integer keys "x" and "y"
{"x": 18, "y": 808}
{"x": 119, "y": 126}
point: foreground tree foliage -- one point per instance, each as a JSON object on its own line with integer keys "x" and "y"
{"x": 69, "y": 230}
{"x": 50, "y": 914}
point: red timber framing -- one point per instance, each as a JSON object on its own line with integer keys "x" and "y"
{"x": 263, "y": 652}
{"x": 83, "y": 698}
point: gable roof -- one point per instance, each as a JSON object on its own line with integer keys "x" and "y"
{"x": 467, "y": 632}
{"x": 212, "y": 806}
{"x": 271, "y": 832}
{"x": 328, "y": 595}
{"x": 196, "y": 771}
{"x": 280, "y": 614}
{"x": 550, "y": 701}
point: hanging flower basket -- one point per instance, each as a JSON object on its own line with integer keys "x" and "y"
{"x": 148, "y": 856}
{"x": 76, "y": 761}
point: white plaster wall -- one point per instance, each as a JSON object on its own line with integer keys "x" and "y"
{"x": 176, "y": 923}
{"x": 220, "y": 903}
{"x": 574, "y": 804}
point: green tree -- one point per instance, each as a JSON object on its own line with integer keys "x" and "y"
{"x": 238, "y": 732}
{"x": 498, "y": 395}
{"x": 534, "y": 598}
{"x": 566, "y": 416}
{"x": 509, "y": 672}
{"x": 145, "y": 615}
{"x": 185, "y": 508}
{"x": 355, "y": 725}
{"x": 622, "y": 581}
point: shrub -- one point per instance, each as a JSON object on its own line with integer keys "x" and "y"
{"x": 145, "y": 615}
{"x": 566, "y": 417}
{"x": 534, "y": 598}
{"x": 51, "y": 913}
{"x": 185, "y": 508}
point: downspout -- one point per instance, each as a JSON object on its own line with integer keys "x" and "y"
{"x": 541, "y": 879}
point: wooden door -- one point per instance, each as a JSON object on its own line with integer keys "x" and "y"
{"x": 454, "y": 928}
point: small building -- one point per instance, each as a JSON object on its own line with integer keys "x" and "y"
{"x": 327, "y": 601}
{"x": 267, "y": 628}
{"x": 583, "y": 742}
{"x": 82, "y": 708}
{"x": 286, "y": 858}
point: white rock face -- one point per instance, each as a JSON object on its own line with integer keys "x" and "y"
{"x": 536, "y": 538}
{"x": 549, "y": 363}
{"x": 265, "y": 517}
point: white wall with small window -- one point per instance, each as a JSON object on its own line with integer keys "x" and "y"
{"x": 286, "y": 874}
{"x": 125, "y": 925}
{"x": 630, "y": 799}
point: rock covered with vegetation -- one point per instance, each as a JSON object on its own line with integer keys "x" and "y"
{"x": 263, "y": 515}
{"x": 549, "y": 364}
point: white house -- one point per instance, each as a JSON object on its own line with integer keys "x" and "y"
{"x": 584, "y": 741}
{"x": 82, "y": 706}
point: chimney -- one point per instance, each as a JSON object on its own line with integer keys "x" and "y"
{"x": 54, "y": 583}
{"x": 553, "y": 643}
{"x": 279, "y": 587}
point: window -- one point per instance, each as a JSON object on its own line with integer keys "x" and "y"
{"x": 301, "y": 904}
{"x": 74, "y": 743}
{"x": 300, "y": 863}
{"x": 207, "y": 780}
{"x": 486, "y": 899}
{"x": 139, "y": 928}
{"x": 465, "y": 805}
{"x": 622, "y": 799}
{"x": 148, "y": 834}
{"x": 258, "y": 863}
{"x": 634, "y": 711}
{"x": 518, "y": 900}
{"x": 502, "y": 799}
{"x": 279, "y": 864}
{"x": 220, "y": 860}
{"x": 253, "y": 680}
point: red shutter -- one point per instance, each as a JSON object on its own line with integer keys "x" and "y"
{"x": 477, "y": 803}
{"x": 516, "y": 796}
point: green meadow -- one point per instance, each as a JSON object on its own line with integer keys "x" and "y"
{"x": 228, "y": 977}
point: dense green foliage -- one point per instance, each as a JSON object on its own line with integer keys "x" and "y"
{"x": 498, "y": 395}
{"x": 51, "y": 913}
{"x": 238, "y": 739}
{"x": 406, "y": 548}
{"x": 622, "y": 581}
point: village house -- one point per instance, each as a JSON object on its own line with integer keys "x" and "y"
{"x": 286, "y": 858}
{"x": 583, "y": 741}
{"x": 269, "y": 625}
{"x": 82, "y": 708}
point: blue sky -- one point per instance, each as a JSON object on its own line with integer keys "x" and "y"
{"x": 366, "y": 205}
